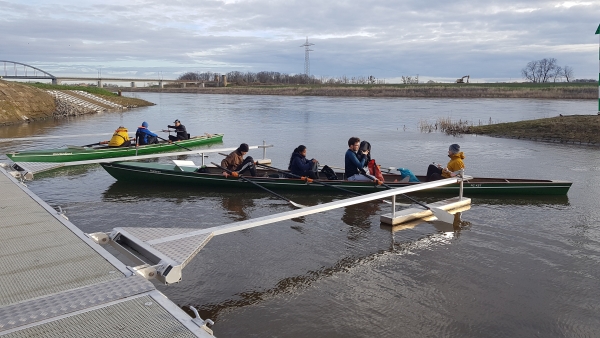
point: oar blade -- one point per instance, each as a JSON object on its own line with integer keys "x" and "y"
{"x": 297, "y": 205}
{"x": 443, "y": 215}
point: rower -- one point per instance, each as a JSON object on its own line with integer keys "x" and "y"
{"x": 145, "y": 136}
{"x": 119, "y": 139}
{"x": 354, "y": 167}
{"x": 237, "y": 164}
{"x": 181, "y": 132}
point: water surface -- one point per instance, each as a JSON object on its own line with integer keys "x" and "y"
{"x": 525, "y": 266}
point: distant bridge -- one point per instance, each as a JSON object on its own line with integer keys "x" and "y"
{"x": 21, "y": 71}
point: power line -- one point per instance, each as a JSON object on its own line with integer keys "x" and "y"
{"x": 307, "y": 49}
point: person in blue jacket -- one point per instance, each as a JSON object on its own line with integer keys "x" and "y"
{"x": 354, "y": 166}
{"x": 145, "y": 136}
{"x": 300, "y": 166}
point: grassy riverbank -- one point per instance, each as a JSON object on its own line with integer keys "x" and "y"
{"x": 434, "y": 90}
{"x": 23, "y": 102}
{"x": 577, "y": 129}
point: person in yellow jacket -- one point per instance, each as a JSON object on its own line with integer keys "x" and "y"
{"x": 119, "y": 139}
{"x": 436, "y": 172}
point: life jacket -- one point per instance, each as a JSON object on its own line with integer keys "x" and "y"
{"x": 119, "y": 137}
{"x": 374, "y": 170}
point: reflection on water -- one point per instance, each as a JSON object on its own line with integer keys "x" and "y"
{"x": 359, "y": 218}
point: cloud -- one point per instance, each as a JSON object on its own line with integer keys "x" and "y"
{"x": 387, "y": 39}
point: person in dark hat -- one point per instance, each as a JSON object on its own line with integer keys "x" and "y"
{"x": 182, "y": 133}
{"x": 237, "y": 163}
{"x": 436, "y": 172}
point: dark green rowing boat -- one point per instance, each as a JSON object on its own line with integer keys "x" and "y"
{"x": 172, "y": 174}
{"x": 71, "y": 153}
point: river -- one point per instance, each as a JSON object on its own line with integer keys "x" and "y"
{"x": 525, "y": 266}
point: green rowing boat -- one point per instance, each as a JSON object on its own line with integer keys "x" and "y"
{"x": 73, "y": 153}
{"x": 211, "y": 177}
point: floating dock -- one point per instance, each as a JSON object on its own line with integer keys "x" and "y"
{"x": 57, "y": 282}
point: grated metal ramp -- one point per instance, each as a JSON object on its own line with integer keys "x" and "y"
{"x": 181, "y": 252}
{"x": 56, "y": 282}
{"x": 138, "y": 317}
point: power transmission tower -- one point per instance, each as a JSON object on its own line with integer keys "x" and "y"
{"x": 307, "y": 49}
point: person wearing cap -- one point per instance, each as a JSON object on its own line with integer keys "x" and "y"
{"x": 237, "y": 163}
{"x": 181, "y": 132}
{"x": 436, "y": 172}
{"x": 145, "y": 136}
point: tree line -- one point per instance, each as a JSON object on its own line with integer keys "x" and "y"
{"x": 273, "y": 78}
{"x": 546, "y": 70}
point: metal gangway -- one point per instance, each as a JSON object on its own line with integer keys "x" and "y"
{"x": 162, "y": 253}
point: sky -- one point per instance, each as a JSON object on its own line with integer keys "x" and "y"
{"x": 437, "y": 40}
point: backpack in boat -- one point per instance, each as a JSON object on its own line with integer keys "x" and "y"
{"x": 374, "y": 170}
{"x": 329, "y": 173}
{"x": 407, "y": 173}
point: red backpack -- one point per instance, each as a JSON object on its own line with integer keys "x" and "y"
{"x": 374, "y": 170}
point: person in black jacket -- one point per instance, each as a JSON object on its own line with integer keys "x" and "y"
{"x": 300, "y": 166}
{"x": 181, "y": 132}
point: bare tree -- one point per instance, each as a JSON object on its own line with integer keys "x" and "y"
{"x": 567, "y": 72}
{"x": 557, "y": 74}
{"x": 539, "y": 71}
{"x": 410, "y": 79}
{"x": 546, "y": 69}
{"x": 529, "y": 72}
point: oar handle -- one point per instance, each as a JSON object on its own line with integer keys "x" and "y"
{"x": 260, "y": 186}
{"x": 315, "y": 181}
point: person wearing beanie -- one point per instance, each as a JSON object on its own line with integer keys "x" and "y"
{"x": 145, "y": 136}
{"x": 436, "y": 172}
{"x": 237, "y": 163}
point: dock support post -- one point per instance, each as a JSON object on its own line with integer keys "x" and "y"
{"x": 202, "y": 159}
{"x": 462, "y": 175}
{"x": 264, "y": 150}
{"x": 393, "y": 206}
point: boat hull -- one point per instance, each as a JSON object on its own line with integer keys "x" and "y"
{"x": 75, "y": 154}
{"x": 170, "y": 174}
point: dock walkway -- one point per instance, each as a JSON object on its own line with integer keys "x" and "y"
{"x": 57, "y": 282}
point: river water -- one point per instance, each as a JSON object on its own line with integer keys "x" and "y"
{"x": 523, "y": 267}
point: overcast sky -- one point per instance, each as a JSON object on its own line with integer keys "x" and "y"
{"x": 489, "y": 40}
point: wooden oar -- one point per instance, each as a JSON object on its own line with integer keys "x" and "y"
{"x": 314, "y": 181}
{"x": 260, "y": 186}
{"x": 175, "y": 143}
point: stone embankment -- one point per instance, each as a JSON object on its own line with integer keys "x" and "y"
{"x": 22, "y": 103}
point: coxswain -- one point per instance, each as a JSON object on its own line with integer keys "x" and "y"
{"x": 237, "y": 163}
{"x": 436, "y": 172}
{"x": 182, "y": 133}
